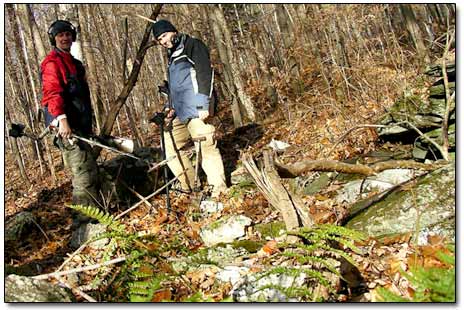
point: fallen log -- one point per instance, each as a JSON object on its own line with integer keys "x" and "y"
{"x": 296, "y": 169}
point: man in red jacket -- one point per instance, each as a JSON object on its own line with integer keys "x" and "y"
{"x": 66, "y": 98}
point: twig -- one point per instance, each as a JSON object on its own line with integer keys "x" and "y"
{"x": 448, "y": 100}
{"x": 161, "y": 163}
{"x": 146, "y": 18}
{"x": 41, "y": 230}
{"x": 351, "y": 130}
{"x": 75, "y": 290}
{"x": 440, "y": 148}
{"x": 76, "y": 270}
{"x": 149, "y": 196}
{"x": 135, "y": 193}
{"x": 73, "y": 254}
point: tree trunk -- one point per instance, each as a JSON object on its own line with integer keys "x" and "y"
{"x": 414, "y": 31}
{"x": 128, "y": 108}
{"x": 24, "y": 77}
{"x": 38, "y": 42}
{"x": 244, "y": 98}
{"x": 16, "y": 152}
{"x": 130, "y": 83}
{"x": 263, "y": 66}
{"x": 92, "y": 75}
{"x": 22, "y": 46}
{"x": 227, "y": 71}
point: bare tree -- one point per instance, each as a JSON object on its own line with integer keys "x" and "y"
{"x": 414, "y": 31}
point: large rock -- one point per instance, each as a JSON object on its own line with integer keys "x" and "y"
{"x": 18, "y": 225}
{"x": 218, "y": 256}
{"x": 260, "y": 287}
{"x": 359, "y": 189}
{"x": 427, "y": 202}
{"x": 25, "y": 289}
{"x": 225, "y": 230}
{"x": 240, "y": 176}
{"x": 424, "y": 113}
{"x": 424, "y": 149}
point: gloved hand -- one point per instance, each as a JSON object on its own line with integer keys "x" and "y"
{"x": 203, "y": 114}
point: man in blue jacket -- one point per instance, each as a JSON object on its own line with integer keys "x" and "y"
{"x": 190, "y": 80}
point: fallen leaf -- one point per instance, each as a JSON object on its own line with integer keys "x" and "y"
{"x": 162, "y": 295}
{"x": 270, "y": 247}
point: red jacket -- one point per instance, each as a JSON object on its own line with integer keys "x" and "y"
{"x": 54, "y": 79}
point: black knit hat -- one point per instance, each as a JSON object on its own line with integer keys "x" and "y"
{"x": 161, "y": 27}
{"x": 61, "y": 26}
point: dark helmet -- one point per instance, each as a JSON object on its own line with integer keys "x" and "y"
{"x": 161, "y": 27}
{"x": 60, "y": 26}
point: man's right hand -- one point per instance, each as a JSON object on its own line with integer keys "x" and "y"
{"x": 169, "y": 113}
{"x": 64, "y": 130}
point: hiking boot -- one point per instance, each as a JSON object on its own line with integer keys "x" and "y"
{"x": 217, "y": 191}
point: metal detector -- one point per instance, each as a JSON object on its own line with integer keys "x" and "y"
{"x": 159, "y": 119}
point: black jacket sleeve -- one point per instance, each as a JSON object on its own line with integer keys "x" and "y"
{"x": 198, "y": 52}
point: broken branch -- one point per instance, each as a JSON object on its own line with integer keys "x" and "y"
{"x": 296, "y": 169}
{"x": 76, "y": 270}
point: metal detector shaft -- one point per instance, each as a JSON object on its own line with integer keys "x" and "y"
{"x": 92, "y": 142}
{"x": 163, "y": 146}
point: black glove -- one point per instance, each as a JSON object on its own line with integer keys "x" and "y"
{"x": 164, "y": 89}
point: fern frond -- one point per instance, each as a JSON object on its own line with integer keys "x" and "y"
{"x": 319, "y": 260}
{"x": 431, "y": 284}
{"x": 102, "y": 217}
{"x": 389, "y": 296}
{"x": 142, "y": 291}
{"x": 340, "y": 253}
{"x": 141, "y": 274}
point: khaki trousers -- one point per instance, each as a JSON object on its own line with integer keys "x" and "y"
{"x": 211, "y": 162}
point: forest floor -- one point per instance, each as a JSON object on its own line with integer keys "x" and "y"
{"x": 46, "y": 248}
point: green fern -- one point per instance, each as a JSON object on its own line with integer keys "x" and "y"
{"x": 143, "y": 291}
{"x": 317, "y": 252}
{"x": 198, "y": 297}
{"x": 431, "y": 284}
{"x": 101, "y": 216}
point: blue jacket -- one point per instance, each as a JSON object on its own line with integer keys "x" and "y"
{"x": 190, "y": 77}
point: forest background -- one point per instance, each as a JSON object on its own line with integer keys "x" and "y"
{"x": 320, "y": 64}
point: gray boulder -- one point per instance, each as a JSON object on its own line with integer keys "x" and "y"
{"x": 25, "y": 289}
{"x": 18, "y": 225}
{"x": 359, "y": 189}
{"x": 225, "y": 230}
{"x": 428, "y": 202}
{"x": 260, "y": 287}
